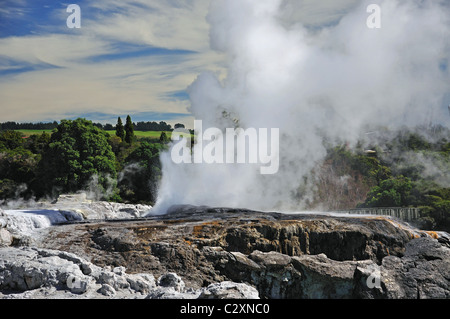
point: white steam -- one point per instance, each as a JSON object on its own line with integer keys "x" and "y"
{"x": 309, "y": 82}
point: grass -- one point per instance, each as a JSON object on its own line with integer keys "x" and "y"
{"x": 139, "y": 134}
{"x": 28, "y": 133}
{"x": 148, "y": 134}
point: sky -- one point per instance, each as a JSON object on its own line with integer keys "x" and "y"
{"x": 134, "y": 57}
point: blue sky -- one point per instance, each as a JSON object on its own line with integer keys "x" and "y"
{"x": 132, "y": 57}
{"x": 129, "y": 57}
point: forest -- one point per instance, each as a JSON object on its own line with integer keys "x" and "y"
{"x": 78, "y": 155}
{"x": 403, "y": 168}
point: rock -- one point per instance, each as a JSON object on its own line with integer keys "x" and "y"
{"x": 170, "y": 293}
{"x": 229, "y": 290}
{"x": 85, "y": 266}
{"x": 142, "y": 283}
{"x": 27, "y": 269}
{"x": 119, "y": 240}
{"x": 116, "y": 281}
{"x": 3, "y": 221}
{"x": 79, "y": 205}
{"x": 171, "y": 286}
{"x": 276, "y": 276}
{"x": 72, "y": 215}
{"x": 271, "y": 260}
{"x": 422, "y": 273}
{"x": 34, "y": 273}
{"x": 27, "y": 222}
{"x": 171, "y": 280}
{"x": 119, "y": 270}
{"x": 367, "y": 279}
{"x": 324, "y": 278}
{"x": 78, "y": 284}
{"x": 6, "y": 238}
{"x": 72, "y": 198}
{"x": 220, "y": 253}
{"x": 107, "y": 290}
{"x": 234, "y": 265}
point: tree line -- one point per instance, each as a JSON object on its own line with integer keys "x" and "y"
{"x": 139, "y": 126}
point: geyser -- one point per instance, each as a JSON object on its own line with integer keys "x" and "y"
{"x": 329, "y": 80}
{"x": 234, "y": 146}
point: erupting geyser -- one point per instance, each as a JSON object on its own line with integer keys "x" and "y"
{"x": 309, "y": 81}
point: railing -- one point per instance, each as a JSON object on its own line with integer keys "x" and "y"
{"x": 404, "y": 213}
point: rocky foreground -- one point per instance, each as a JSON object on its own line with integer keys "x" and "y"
{"x": 201, "y": 252}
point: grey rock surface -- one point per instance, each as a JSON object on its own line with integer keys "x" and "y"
{"x": 200, "y": 252}
{"x": 229, "y": 290}
{"x": 6, "y": 238}
{"x": 42, "y": 273}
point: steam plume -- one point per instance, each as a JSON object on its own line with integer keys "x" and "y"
{"x": 309, "y": 82}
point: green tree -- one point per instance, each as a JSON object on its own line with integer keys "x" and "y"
{"x": 139, "y": 179}
{"x": 436, "y": 211}
{"x": 37, "y": 143}
{"x": 11, "y": 140}
{"x": 77, "y": 152}
{"x": 120, "y": 132}
{"x": 115, "y": 143}
{"x": 129, "y": 131}
{"x": 17, "y": 169}
{"x": 392, "y": 192}
{"x": 163, "y": 138}
{"x": 17, "y": 165}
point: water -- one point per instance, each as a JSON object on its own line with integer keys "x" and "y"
{"x": 27, "y": 221}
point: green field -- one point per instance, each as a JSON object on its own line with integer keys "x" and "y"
{"x": 148, "y": 134}
{"x": 33, "y": 132}
{"x": 139, "y": 134}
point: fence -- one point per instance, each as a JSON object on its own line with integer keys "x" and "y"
{"x": 404, "y": 213}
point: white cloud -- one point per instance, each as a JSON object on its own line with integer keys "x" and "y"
{"x": 111, "y": 87}
{"x": 169, "y": 24}
{"x": 55, "y": 49}
{"x": 86, "y": 80}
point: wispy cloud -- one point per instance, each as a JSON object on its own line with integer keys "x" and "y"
{"x": 130, "y": 56}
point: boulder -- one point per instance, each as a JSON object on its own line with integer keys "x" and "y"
{"x": 229, "y": 290}
{"x": 3, "y": 220}
{"x": 171, "y": 280}
{"x": 6, "y": 239}
{"x": 324, "y": 278}
{"x": 142, "y": 283}
{"x": 107, "y": 290}
{"x": 422, "y": 273}
{"x": 26, "y": 268}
